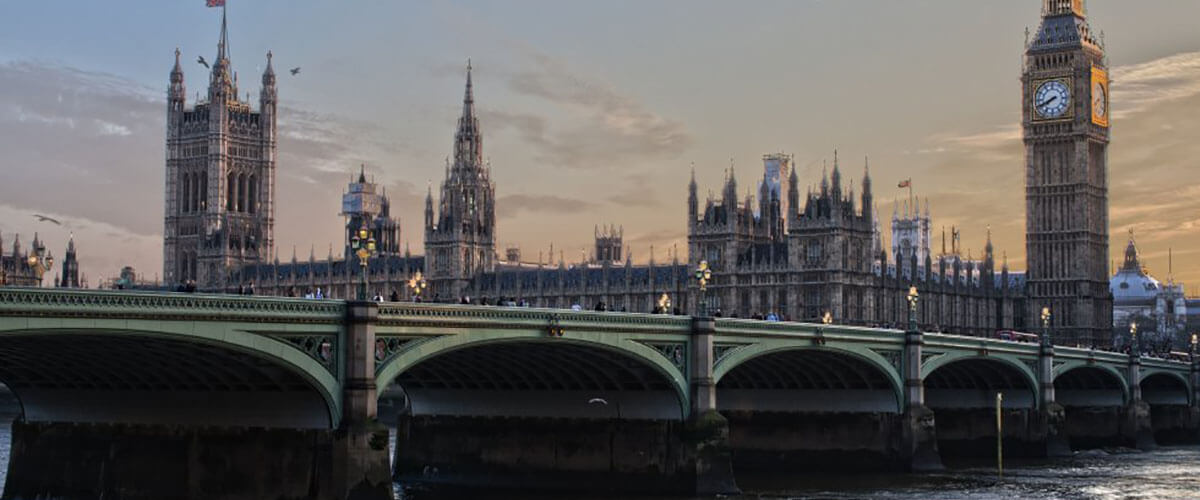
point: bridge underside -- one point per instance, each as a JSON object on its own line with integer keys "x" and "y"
{"x": 808, "y": 409}
{"x": 539, "y": 379}
{"x": 1172, "y": 420}
{"x": 137, "y": 379}
{"x": 547, "y": 412}
{"x": 1094, "y": 403}
{"x": 962, "y": 395}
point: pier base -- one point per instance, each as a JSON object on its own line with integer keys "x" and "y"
{"x": 136, "y": 462}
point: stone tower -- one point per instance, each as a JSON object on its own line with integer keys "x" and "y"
{"x": 1065, "y": 119}
{"x": 220, "y": 176}
{"x": 460, "y": 239}
{"x": 70, "y": 267}
{"x": 830, "y": 244}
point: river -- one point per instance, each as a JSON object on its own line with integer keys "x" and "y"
{"x": 1170, "y": 473}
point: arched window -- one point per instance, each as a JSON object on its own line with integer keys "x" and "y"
{"x": 184, "y": 193}
{"x": 230, "y": 191}
{"x": 252, "y": 195}
{"x": 241, "y": 194}
{"x": 202, "y": 199}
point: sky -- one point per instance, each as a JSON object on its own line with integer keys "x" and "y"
{"x": 592, "y": 113}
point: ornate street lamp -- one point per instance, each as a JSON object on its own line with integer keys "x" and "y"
{"x": 1046, "y": 326}
{"x": 363, "y": 244}
{"x": 912, "y": 297}
{"x": 1134, "y": 348}
{"x": 40, "y": 265}
{"x": 664, "y": 303}
{"x": 703, "y": 276}
{"x": 417, "y": 284}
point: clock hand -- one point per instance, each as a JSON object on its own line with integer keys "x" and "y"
{"x": 1048, "y": 101}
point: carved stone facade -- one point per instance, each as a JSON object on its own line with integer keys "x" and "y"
{"x": 220, "y": 177}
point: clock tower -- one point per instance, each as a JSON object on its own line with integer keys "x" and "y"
{"x": 1065, "y": 117}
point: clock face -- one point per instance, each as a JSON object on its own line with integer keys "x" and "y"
{"x": 1099, "y": 101}
{"x": 1052, "y": 99}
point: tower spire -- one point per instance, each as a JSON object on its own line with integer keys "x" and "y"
{"x": 224, "y": 42}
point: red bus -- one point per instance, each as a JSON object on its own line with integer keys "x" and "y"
{"x": 1015, "y": 336}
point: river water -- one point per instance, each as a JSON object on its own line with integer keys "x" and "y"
{"x": 1170, "y": 473}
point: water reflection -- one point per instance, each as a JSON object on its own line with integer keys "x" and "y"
{"x": 1167, "y": 474}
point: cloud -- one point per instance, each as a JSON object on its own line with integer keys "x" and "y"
{"x": 638, "y": 194}
{"x": 605, "y": 127}
{"x": 513, "y": 204}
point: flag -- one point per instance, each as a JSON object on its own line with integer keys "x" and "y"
{"x": 905, "y": 183}
{"x": 214, "y": 3}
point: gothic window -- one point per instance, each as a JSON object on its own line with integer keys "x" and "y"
{"x": 203, "y": 198}
{"x": 241, "y": 199}
{"x": 814, "y": 253}
{"x": 230, "y": 183}
{"x": 253, "y": 195}
{"x": 184, "y": 199}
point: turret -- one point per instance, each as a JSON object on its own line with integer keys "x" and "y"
{"x": 793, "y": 195}
{"x": 837, "y": 179}
{"x": 868, "y": 199}
{"x": 729, "y": 196}
{"x": 176, "y": 93}
{"x": 221, "y": 87}
{"x": 429, "y": 210}
{"x": 693, "y": 202}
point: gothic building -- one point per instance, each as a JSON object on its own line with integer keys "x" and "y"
{"x": 18, "y": 269}
{"x": 799, "y": 255}
{"x": 220, "y": 176}
{"x": 1065, "y": 124}
{"x": 460, "y": 236}
{"x": 389, "y": 271}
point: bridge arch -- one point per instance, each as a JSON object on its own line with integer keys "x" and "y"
{"x": 968, "y": 380}
{"x": 1089, "y": 385}
{"x": 1164, "y": 387}
{"x": 572, "y": 370}
{"x": 824, "y": 372}
{"x": 178, "y": 372}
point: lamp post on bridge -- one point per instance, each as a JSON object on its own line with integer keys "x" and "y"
{"x": 703, "y": 276}
{"x": 363, "y": 244}
{"x": 40, "y": 264}
{"x": 913, "y": 297}
{"x": 1046, "y": 327}
{"x": 1134, "y": 348}
{"x": 417, "y": 284}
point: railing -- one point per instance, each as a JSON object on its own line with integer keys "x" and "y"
{"x": 165, "y": 305}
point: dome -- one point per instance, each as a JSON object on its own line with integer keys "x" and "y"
{"x": 1131, "y": 284}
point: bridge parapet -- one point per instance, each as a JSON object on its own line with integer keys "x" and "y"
{"x": 153, "y": 305}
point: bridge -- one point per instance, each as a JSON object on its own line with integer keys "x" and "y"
{"x": 152, "y": 395}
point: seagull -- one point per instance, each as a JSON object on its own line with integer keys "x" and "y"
{"x": 296, "y": 71}
{"x": 201, "y": 60}
{"x": 597, "y": 400}
{"x": 43, "y": 218}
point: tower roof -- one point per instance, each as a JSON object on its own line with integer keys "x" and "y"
{"x": 1064, "y": 25}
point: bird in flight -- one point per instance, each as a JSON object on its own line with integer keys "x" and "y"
{"x": 201, "y": 60}
{"x": 43, "y": 218}
{"x": 296, "y": 71}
